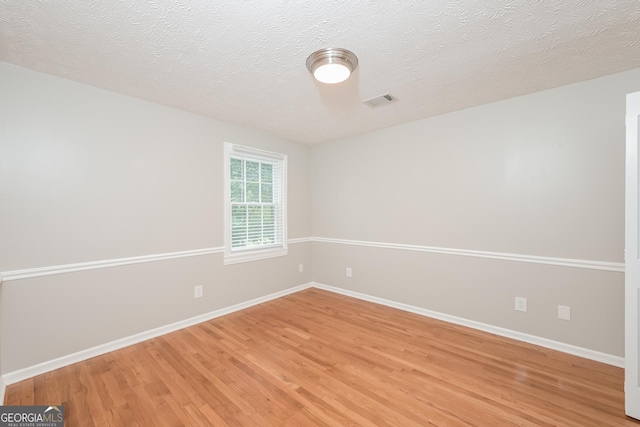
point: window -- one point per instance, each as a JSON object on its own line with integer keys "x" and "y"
{"x": 255, "y": 204}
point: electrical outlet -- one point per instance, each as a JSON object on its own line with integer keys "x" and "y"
{"x": 521, "y": 304}
{"x": 564, "y": 312}
{"x": 349, "y": 272}
{"x": 300, "y": 268}
{"x": 197, "y": 291}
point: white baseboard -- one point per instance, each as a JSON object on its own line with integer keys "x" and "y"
{"x": 508, "y": 333}
{"x": 41, "y": 368}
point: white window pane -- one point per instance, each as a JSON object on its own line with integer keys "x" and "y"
{"x": 266, "y": 172}
{"x": 266, "y": 194}
{"x": 238, "y": 225}
{"x": 236, "y": 169}
{"x": 253, "y": 171}
{"x": 255, "y": 204}
{"x": 237, "y": 191}
{"x": 253, "y": 192}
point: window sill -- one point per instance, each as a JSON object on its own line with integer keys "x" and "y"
{"x": 253, "y": 255}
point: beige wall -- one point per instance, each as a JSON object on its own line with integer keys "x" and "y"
{"x": 541, "y": 175}
{"x": 89, "y": 175}
{"x": 483, "y": 290}
{"x": 54, "y": 316}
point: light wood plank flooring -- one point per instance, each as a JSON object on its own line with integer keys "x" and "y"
{"x": 318, "y": 358}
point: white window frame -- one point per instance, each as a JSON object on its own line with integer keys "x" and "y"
{"x": 234, "y": 256}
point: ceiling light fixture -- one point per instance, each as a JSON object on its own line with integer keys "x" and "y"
{"x": 332, "y": 65}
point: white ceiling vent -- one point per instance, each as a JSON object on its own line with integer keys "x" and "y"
{"x": 380, "y": 100}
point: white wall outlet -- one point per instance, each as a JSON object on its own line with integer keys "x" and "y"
{"x": 521, "y": 304}
{"x": 197, "y": 291}
{"x": 300, "y": 268}
{"x": 349, "y": 272}
{"x": 564, "y": 312}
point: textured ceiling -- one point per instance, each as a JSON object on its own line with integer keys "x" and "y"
{"x": 244, "y": 61}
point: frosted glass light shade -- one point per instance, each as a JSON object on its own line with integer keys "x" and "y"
{"x": 332, "y": 73}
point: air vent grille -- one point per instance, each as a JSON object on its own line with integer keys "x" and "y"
{"x": 380, "y": 100}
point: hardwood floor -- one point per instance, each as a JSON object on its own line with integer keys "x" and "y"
{"x": 318, "y": 358}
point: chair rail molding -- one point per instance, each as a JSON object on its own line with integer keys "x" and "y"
{"x": 564, "y": 262}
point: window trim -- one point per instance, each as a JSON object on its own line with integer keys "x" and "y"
{"x": 257, "y": 253}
